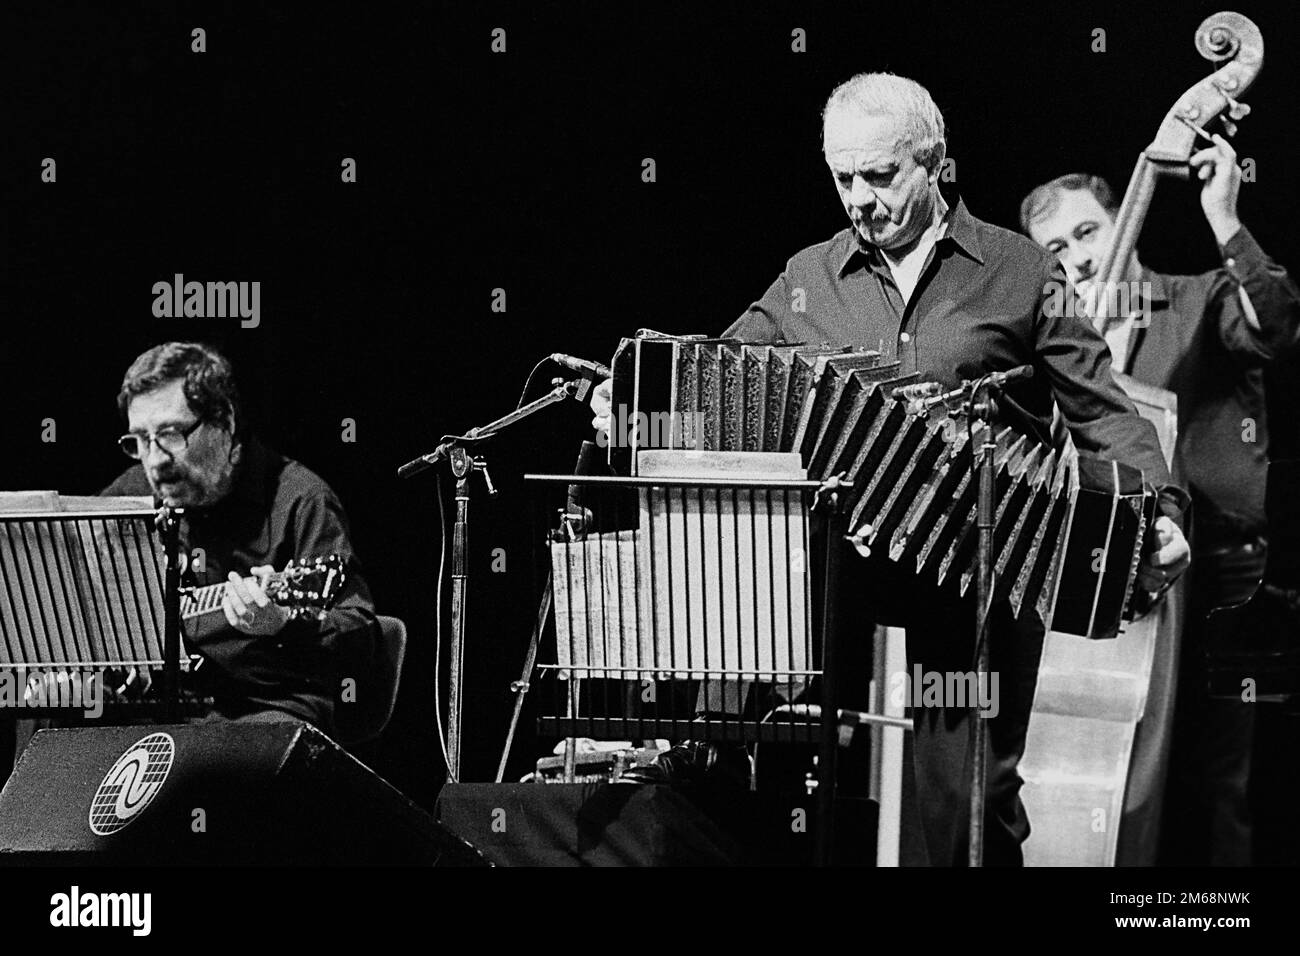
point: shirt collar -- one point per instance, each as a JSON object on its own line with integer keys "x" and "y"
{"x": 959, "y": 229}
{"x": 249, "y": 482}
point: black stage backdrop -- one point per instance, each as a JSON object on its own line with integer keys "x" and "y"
{"x": 518, "y": 170}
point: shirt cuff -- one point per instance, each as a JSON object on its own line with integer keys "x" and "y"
{"x": 1242, "y": 254}
{"x": 1173, "y": 502}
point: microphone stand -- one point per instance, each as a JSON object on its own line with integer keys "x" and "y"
{"x": 983, "y": 412}
{"x": 167, "y": 523}
{"x": 454, "y": 450}
{"x": 576, "y": 521}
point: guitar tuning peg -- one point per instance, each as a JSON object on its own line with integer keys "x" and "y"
{"x": 1236, "y": 110}
{"x": 1229, "y": 127}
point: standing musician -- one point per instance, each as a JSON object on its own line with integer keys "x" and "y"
{"x": 1207, "y": 339}
{"x": 251, "y": 511}
{"x": 951, "y": 297}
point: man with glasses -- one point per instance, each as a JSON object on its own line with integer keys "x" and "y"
{"x": 248, "y": 512}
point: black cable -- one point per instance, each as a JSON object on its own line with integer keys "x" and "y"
{"x": 529, "y": 383}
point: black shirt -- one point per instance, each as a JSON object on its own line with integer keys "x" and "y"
{"x": 276, "y": 510}
{"x": 983, "y": 303}
{"x": 1199, "y": 345}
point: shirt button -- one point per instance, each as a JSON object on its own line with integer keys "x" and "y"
{"x": 1229, "y": 262}
{"x": 904, "y": 337}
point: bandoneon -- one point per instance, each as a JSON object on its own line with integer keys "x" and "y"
{"x": 1069, "y": 528}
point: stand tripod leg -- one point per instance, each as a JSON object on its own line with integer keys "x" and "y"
{"x": 521, "y": 686}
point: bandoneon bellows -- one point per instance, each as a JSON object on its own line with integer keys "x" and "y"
{"x": 1069, "y": 528}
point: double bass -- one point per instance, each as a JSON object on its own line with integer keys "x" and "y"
{"x": 1098, "y": 742}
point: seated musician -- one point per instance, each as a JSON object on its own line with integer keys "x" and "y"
{"x": 251, "y": 511}
{"x": 951, "y": 297}
{"x": 1207, "y": 339}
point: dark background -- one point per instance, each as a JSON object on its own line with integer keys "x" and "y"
{"x": 520, "y": 171}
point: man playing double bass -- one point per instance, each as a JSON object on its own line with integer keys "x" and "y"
{"x": 1207, "y": 338}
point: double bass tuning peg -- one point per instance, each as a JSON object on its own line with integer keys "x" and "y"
{"x": 1236, "y": 110}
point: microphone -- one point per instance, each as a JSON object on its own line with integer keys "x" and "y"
{"x": 424, "y": 462}
{"x": 912, "y": 393}
{"x": 967, "y": 388}
{"x": 581, "y": 366}
{"x": 416, "y": 465}
{"x": 998, "y": 379}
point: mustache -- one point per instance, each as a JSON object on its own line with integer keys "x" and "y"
{"x": 878, "y": 218}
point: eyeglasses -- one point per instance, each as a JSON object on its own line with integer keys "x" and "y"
{"x": 171, "y": 440}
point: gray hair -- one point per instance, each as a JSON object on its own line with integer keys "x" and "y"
{"x": 886, "y": 94}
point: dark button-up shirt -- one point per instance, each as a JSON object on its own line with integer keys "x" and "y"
{"x": 1200, "y": 345}
{"x": 983, "y": 303}
{"x": 276, "y": 510}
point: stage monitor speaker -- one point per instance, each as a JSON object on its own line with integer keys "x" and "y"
{"x": 623, "y": 824}
{"x": 585, "y": 824}
{"x": 228, "y": 792}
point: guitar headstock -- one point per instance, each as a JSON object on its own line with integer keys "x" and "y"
{"x": 1227, "y": 38}
{"x": 309, "y": 588}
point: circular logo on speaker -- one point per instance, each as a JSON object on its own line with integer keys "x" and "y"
{"x": 133, "y": 782}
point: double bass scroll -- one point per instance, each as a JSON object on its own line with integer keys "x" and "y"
{"x": 1227, "y": 38}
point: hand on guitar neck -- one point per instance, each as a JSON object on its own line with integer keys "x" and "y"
{"x": 261, "y": 605}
